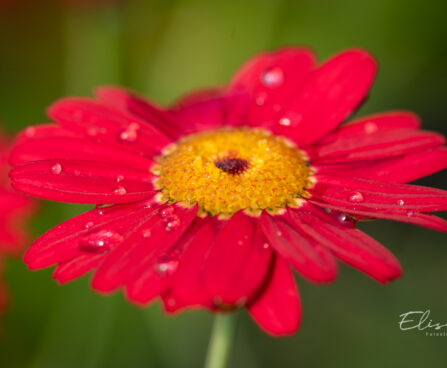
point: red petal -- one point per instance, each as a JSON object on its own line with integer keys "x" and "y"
{"x": 237, "y": 261}
{"x": 74, "y": 148}
{"x": 156, "y": 279}
{"x": 82, "y": 181}
{"x": 44, "y": 131}
{"x": 108, "y": 126}
{"x": 139, "y": 253}
{"x": 272, "y": 79}
{"x": 16, "y": 208}
{"x": 150, "y": 284}
{"x": 109, "y": 224}
{"x": 382, "y": 144}
{"x": 70, "y": 270}
{"x": 376, "y": 197}
{"x": 198, "y": 96}
{"x": 278, "y": 310}
{"x": 188, "y": 285}
{"x": 140, "y": 107}
{"x": 348, "y": 243}
{"x": 306, "y": 256}
{"x": 328, "y": 97}
{"x": 372, "y": 124}
{"x": 396, "y": 170}
{"x": 211, "y": 113}
{"x": 411, "y": 217}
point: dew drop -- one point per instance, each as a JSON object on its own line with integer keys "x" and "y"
{"x": 261, "y": 99}
{"x": 410, "y": 213}
{"x": 240, "y": 242}
{"x": 172, "y": 223}
{"x": 100, "y": 211}
{"x": 273, "y": 77}
{"x": 30, "y": 131}
{"x": 88, "y": 225}
{"x": 99, "y": 241}
{"x": 266, "y": 245}
{"x": 370, "y": 127}
{"x": 92, "y": 131}
{"x": 284, "y": 121}
{"x": 120, "y": 190}
{"x": 146, "y": 233}
{"x": 129, "y": 134}
{"x": 167, "y": 266}
{"x": 400, "y": 202}
{"x": 279, "y": 233}
{"x": 119, "y": 178}
{"x": 56, "y": 169}
{"x": 167, "y": 211}
{"x": 356, "y": 197}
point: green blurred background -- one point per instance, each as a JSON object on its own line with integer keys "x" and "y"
{"x": 168, "y": 47}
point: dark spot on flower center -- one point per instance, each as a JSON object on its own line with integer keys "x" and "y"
{"x": 233, "y": 166}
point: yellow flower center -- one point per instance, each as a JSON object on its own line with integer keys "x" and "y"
{"x": 227, "y": 170}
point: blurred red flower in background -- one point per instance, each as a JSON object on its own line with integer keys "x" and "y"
{"x": 15, "y": 208}
{"x": 208, "y": 203}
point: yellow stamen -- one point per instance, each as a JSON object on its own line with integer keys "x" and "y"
{"x": 227, "y": 170}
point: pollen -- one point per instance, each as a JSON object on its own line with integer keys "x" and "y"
{"x": 227, "y": 170}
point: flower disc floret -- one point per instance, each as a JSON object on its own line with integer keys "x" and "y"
{"x": 227, "y": 170}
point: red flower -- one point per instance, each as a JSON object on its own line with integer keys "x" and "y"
{"x": 207, "y": 204}
{"x": 15, "y": 209}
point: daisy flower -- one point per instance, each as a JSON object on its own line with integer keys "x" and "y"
{"x": 15, "y": 208}
{"x": 211, "y": 202}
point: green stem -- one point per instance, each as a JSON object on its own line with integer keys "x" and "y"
{"x": 221, "y": 340}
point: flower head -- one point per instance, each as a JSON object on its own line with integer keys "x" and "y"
{"x": 209, "y": 203}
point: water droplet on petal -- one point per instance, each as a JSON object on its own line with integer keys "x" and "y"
{"x": 100, "y": 241}
{"x": 266, "y": 245}
{"x": 129, "y": 134}
{"x": 240, "y": 242}
{"x": 400, "y": 202}
{"x": 146, "y": 233}
{"x": 370, "y": 127}
{"x": 119, "y": 178}
{"x": 88, "y": 225}
{"x": 410, "y": 213}
{"x": 172, "y": 223}
{"x": 120, "y": 190}
{"x": 30, "y": 131}
{"x": 279, "y": 233}
{"x": 273, "y": 77}
{"x": 167, "y": 211}
{"x": 261, "y": 99}
{"x": 166, "y": 265}
{"x": 92, "y": 131}
{"x": 284, "y": 121}
{"x": 356, "y": 197}
{"x": 56, "y": 169}
{"x": 345, "y": 219}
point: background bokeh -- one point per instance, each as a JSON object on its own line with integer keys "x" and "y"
{"x": 168, "y": 47}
